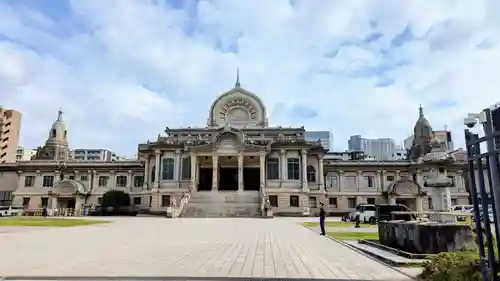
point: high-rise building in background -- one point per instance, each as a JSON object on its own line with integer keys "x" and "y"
{"x": 24, "y": 154}
{"x": 10, "y": 127}
{"x": 379, "y": 149}
{"x": 443, "y": 135}
{"x": 324, "y": 136}
{"x": 95, "y": 155}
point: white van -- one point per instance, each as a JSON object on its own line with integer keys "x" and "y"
{"x": 8, "y": 211}
{"x": 366, "y": 211}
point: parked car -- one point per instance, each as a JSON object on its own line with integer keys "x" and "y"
{"x": 111, "y": 211}
{"x": 8, "y": 211}
{"x": 384, "y": 212}
{"x": 365, "y": 212}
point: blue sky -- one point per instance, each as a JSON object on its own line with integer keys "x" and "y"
{"x": 125, "y": 70}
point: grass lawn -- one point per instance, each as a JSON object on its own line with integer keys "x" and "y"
{"x": 347, "y": 235}
{"x": 336, "y": 224}
{"x": 40, "y": 221}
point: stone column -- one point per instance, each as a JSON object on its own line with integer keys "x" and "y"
{"x": 340, "y": 180}
{"x": 359, "y": 175}
{"x": 157, "y": 169}
{"x": 22, "y": 179}
{"x": 321, "y": 175}
{"x": 215, "y": 172}
{"x": 193, "y": 172}
{"x": 262, "y": 158}
{"x": 95, "y": 179}
{"x": 398, "y": 175}
{"x": 305, "y": 188}
{"x": 130, "y": 179}
{"x": 53, "y": 203}
{"x": 419, "y": 204}
{"x": 420, "y": 178}
{"x": 38, "y": 180}
{"x": 78, "y": 205}
{"x": 177, "y": 167}
{"x": 283, "y": 173}
{"x": 240, "y": 172}
{"x": 147, "y": 172}
{"x": 378, "y": 180}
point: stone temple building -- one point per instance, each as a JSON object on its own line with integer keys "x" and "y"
{"x": 236, "y": 165}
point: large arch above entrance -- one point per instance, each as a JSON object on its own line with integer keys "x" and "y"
{"x": 406, "y": 192}
{"x": 69, "y": 187}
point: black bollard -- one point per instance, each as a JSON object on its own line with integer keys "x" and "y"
{"x": 357, "y": 222}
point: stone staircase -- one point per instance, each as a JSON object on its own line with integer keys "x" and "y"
{"x": 223, "y": 204}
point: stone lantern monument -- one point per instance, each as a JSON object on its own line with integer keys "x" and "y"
{"x": 438, "y": 160}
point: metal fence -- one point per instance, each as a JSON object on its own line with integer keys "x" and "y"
{"x": 486, "y": 163}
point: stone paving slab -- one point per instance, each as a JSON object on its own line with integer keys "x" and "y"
{"x": 155, "y": 247}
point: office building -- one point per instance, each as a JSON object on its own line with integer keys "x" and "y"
{"x": 95, "y": 155}
{"x": 379, "y": 149}
{"x": 324, "y": 136}
{"x": 24, "y": 154}
{"x": 10, "y": 126}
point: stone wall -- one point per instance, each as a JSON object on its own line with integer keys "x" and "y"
{"x": 425, "y": 237}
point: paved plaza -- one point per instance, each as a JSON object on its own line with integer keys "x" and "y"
{"x": 153, "y": 247}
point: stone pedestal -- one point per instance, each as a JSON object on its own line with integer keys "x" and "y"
{"x": 425, "y": 237}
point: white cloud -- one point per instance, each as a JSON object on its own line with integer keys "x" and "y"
{"x": 125, "y": 70}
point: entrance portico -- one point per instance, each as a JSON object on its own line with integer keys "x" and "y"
{"x": 230, "y": 172}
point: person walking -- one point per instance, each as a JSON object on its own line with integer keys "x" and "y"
{"x": 322, "y": 215}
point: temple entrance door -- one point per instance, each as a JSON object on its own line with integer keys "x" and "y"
{"x": 251, "y": 179}
{"x": 205, "y": 179}
{"x": 228, "y": 179}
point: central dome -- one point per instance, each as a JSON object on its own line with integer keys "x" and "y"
{"x": 238, "y": 108}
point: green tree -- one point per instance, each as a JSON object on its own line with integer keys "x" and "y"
{"x": 115, "y": 199}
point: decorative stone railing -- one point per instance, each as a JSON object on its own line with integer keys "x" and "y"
{"x": 175, "y": 211}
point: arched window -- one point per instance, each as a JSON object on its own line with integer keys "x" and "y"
{"x": 167, "y": 169}
{"x": 311, "y": 174}
{"x": 53, "y": 133}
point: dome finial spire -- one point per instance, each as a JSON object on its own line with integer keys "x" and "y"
{"x": 237, "y": 84}
{"x": 420, "y": 111}
{"x": 59, "y": 114}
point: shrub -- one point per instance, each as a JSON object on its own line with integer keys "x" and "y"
{"x": 115, "y": 199}
{"x": 456, "y": 266}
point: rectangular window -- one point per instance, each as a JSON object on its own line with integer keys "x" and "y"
{"x": 99, "y": 200}
{"x": 293, "y": 168}
{"x": 29, "y": 181}
{"x": 84, "y": 178}
{"x": 351, "y": 203}
{"x": 103, "y": 181}
{"x": 138, "y": 181}
{"x": 429, "y": 203}
{"x": 165, "y": 200}
{"x": 454, "y": 201}
{"x": 273, "y": 200}
{"x": 313, "y": 202}
{"x": 137, "y": 201}
{"x": 273, "y": 169}
{"x": 121, "y": 181}
{"x": 331, "y": 182}
{"x": 167, "y": 172}
{"x": 390, "y": 178}
{"x": 26, "y": 202}
{"x": 294, "y": 201}
{"x": 369, "y": 181}
{"x": 45, "y": 202}
{"x": 48, "y": 181}
{"x": 332, "y": 202}
{"x": 370, "y": 201}
{"x": 186, "y": 168}
{"x": 72, "y": 177}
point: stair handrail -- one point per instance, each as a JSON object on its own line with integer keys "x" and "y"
{"x": 184, "y": 200}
